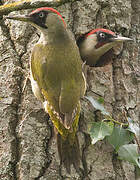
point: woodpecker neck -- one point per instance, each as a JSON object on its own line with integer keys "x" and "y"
{"x": 43, "y": 38}
{"x": 56, "y": 31}
{"x": 58, "y": 35}
{"x": 55, "y": 38}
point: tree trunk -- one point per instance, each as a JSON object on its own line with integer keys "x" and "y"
{"x": 27, "y": 144}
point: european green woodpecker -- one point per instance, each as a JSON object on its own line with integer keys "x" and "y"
{"x": 97, "y": 46}
{"x": 57, "y": 78}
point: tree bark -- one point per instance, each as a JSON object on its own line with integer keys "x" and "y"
{"x": 27, "y": 144}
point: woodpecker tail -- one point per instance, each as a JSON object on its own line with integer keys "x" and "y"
{"x": 67, "y": 140}
{"x": 69, "y": 152}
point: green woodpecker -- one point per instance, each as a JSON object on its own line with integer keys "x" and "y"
{"x": 57, "y": 78}
{"x": 97, "y": 46}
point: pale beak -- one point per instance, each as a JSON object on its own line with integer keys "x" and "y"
{"x": 24, "y": 18}
{"x": 120, "y": 39}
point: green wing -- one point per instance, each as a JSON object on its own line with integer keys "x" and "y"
{"x": 42, "y": 72}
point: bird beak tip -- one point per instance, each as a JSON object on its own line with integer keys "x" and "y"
{"x": 121, "y": 39}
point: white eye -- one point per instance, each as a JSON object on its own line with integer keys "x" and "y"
{"x": 102, "y": 35}
{"x": 41, "y": 14}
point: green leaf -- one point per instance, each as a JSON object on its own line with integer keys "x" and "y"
{"x": 129, "y": 153}
{"x": 97, "y": 105}
{"x": 101, "y": 100}
{"x": 133, "y": 127}
{"x": 99, "y": 130}
{"x": 120, "y": 137}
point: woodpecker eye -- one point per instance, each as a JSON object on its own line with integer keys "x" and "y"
{"x": 39, "y": 18}
{"x": 102, "y": 35}
{"x": 41, "y": 14}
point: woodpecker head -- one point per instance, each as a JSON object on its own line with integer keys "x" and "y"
{"x": 96, "y": 47}
{"x": 45, "y": 19}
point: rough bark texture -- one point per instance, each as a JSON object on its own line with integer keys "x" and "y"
{"x": 27, "y": 143}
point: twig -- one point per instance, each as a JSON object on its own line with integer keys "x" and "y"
{"x": 25, "y": 82}
{"x": 96, "y": 93}
{"x": 30, "y": 4}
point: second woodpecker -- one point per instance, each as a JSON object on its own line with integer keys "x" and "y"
{"x": 97, "y": 46}
{"x": 56, "y": 77}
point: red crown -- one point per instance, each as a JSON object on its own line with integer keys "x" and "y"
{"x": 103, "y": 30}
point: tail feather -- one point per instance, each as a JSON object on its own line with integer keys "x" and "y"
{"x": 69, "y": 153}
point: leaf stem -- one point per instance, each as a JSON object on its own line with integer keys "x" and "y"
{"x": 113, "y": 120}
